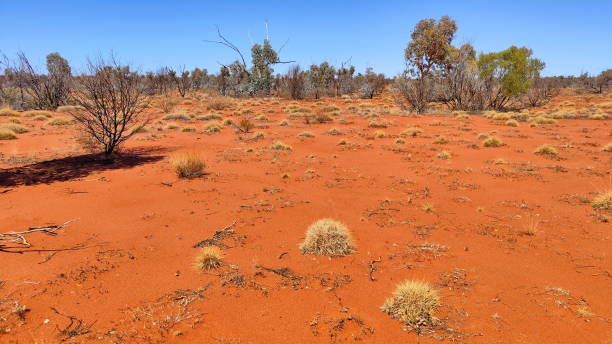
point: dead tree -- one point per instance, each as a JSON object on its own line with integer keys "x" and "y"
{"x": 113, "y": 98}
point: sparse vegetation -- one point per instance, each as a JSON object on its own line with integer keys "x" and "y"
{"x": 328, "y": 237}
{"x": 187, "y": 164}
{"x": 603, "y": 201}
{"x": 209, "y": 258}
{"x": 492, "y": 141}
{"x": 60, "y": 121}
{"x": 444, "y": 155}
{"x": 413, "y": 303}
{"x": 546, "y": 149}
{"x": 278, "y": 145}
{"x": 6, "y": 134}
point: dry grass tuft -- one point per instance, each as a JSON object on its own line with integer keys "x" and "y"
{"x": 187, "y": 164}
{"x": 210, "y": 258}
{"x": 219, "y": 103}
{"x": 413, "y": 303}
{"x": 512, "y": 123}
{"x": 60, "y": 121}
{"x": 36, "y": 113}
{"x": 444, "y": 155}
{"x": 413, "y": 131}
{"x": 213, "y": 127}
{"x": 607, "y": 148}
{"x": 492, "y": 141}
{"x": 6, "y": 134}
{"x": 603, "y": 201}
{"x": 69, "y": 108}
{"x": 14, "y": 127}
{"x": 177, "y": 116}
{"x": 258, "y": 135}
{"x": 440, "y": 140}
{"x": 278, "y": 145}
{"x": 546, "y": 149}
{"x": 379, "y": 134}
{"x": 8, "y": 112}
{"x": 306, "y": 134}
{"x": 328, "y": 237}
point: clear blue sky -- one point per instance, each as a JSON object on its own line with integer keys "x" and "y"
{"x": 570, "y": 36}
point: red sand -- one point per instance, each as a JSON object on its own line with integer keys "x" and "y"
{"x": 137, "y": 225}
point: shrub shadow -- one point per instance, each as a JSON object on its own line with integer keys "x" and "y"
{"x": 74, "y": 167}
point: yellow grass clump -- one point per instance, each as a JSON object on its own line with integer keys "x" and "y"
{"x": 413, "y": 303}
{"x": 413, "y": 131}
{"x": 440, "y": 140}
{"x": 607, "y": 148}
{"x": 546, "y": 149}
{"x": 444, "y": 155}
{"x": 492, "y": 141}
{"x": 69, "y": 108}
{"x": 327, "y": 237}
{"x": 187, "y": 164}
{"x": 278, "y": 145}
{"x": 14, "y": 127}
{"x": 8, "y": 112}
{"x": 6, "y": 134}
{"x": 603, "y": 201}
{"x": 36, "y": 113}
{"x": 212, "y": 127}
{"x": 209, "y": 258}
{"x": 512, "y": 123}
{"x": 306, "y": 134}
{"x": 258, "y": 135}
{"x": 219, "y": 103}
{"x": 177, "y": 116}
{"x": 60, "y": 121}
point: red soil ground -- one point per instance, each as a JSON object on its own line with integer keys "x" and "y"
{"x": 125, "y": 268}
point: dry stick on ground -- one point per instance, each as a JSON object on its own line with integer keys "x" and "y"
{"x": 373, "y": 268}
{"x": 218, "y": 236}
{"x": 75, "y": 328}
{"x": 284, "y": 272}
{"x": 20, "y": 239}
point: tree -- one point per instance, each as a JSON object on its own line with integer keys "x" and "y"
{"x": 603, "y": 80}
{"x": 183, "y": 82}
{"x": 320, "y": 79}
{"x": 222, "y": 79}
{"x": 112, "y": 97}
{"x": 199, "y": 78}
{"x": 294, "y": 82}
{"x": 425, "y": 54}
{"x": 371, "y": 83}
{"x": 461, "y": 88}
{"x": 508, "y": 74}
{"x": 344, "y": 79}
{"x": 46, "y": 91}
{"x": 257, "y": 79}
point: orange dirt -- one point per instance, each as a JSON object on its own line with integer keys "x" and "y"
{"x": 125, "y": 268}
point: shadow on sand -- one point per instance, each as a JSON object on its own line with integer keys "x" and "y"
{"x": 74, "y": 167}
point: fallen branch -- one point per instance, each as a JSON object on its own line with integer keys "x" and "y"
{"x": 75, "y": 328}
{"x": 20, "y": 239}
{"x": 217, "y": 237}
{"x": 373, "y": 268}
{"x": 283, "y": 272}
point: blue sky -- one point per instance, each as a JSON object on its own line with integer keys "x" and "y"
{"x": 570, "y": 36}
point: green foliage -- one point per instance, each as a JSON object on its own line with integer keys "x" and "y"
{"x": 320, "y": 79}
{"x": 430, "y": 43}
{"x": 514, "y": 68}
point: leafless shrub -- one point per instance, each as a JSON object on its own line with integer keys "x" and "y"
{"x": 294, "y": 83}
{"x": 540, "y": 93}
{"x": 112, "y": 97}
